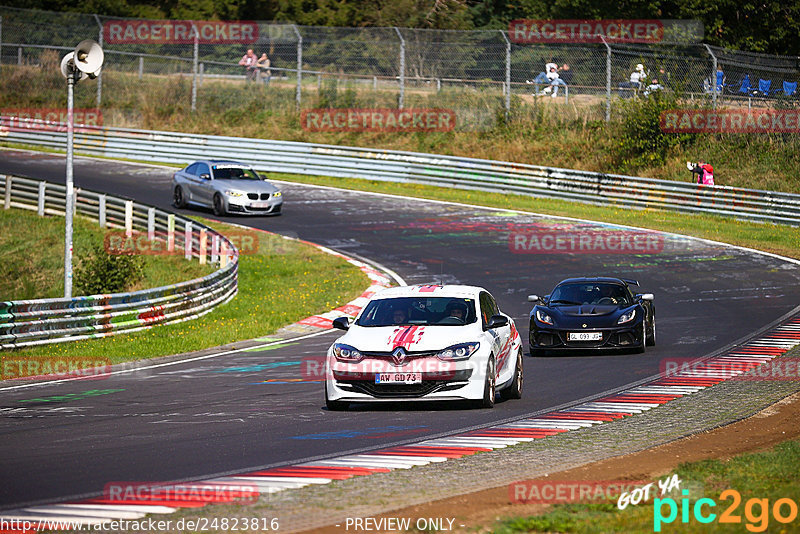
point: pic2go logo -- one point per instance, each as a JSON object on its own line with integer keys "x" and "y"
{"x": 756, "y": 511}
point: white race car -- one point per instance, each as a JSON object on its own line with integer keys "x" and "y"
{"x": 425, "y": 343}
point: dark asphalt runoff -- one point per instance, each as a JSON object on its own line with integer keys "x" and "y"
{"x": 246, "y": 410}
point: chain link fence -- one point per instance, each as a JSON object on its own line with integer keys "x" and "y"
{"x": 477, "y": 73}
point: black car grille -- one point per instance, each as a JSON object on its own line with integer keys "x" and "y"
{"x": 255, "y": 196}
{"x": 396, "y": 390}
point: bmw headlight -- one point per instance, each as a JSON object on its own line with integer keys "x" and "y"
{"x": 627, "y": 317}
{"x": 346, "y": 353}
{"x": 232, "y": 193}
{"x": 462, "y": 351}
{"x": 542, "y": 317}
{"x": 276, "y": 194}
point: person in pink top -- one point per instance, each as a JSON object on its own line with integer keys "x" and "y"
{"x": 704, "y": 171}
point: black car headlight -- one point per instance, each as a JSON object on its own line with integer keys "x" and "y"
{"x": 627, "y": 317}
{"x": 462, "y": 351}
{"x": 542, "y": 317}
{"x": 346, "y": 353}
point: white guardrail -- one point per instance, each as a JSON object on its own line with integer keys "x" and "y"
{"x": 36, "y": 322}
{"x": 431, "y": 169}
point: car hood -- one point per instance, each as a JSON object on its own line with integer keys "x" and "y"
{"x": 246, "y": 186}
{"x": 411, "y": 337}
{"x": 588, "y": 310}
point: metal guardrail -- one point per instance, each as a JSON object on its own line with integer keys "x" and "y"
{"x": 36, "y": 322}
{"x": 431, "y": 169}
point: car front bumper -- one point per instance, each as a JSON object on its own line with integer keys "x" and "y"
{"x": 629, "y": 336}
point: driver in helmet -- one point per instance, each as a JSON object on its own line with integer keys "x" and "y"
{"x": 457, "y": 309}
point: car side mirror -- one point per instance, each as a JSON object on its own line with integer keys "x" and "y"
{"x": 497, "y": 321}
{"x": 342, "y": 323}
{"x": 205, "y": 176}
{"x": 534, "y": 298}
{"x": 647, "y": 296}
{"x": 263, "y": 177}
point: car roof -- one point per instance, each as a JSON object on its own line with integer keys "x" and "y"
{"x": 431, "y": 290}
{"x": 220, "y": 161}
{"x": 601, "y": 279}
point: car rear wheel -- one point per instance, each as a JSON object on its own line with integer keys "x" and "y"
{"x": 640, "y": 349}
{"x": 514, "y": 391}
{"x": 334, "y": 405}
{"x": 179, "y": 198}
{"x": 219, "y": 205}
{"x": 651, "y": 335}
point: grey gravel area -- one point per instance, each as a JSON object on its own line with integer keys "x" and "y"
{"x": 330, "y": 504}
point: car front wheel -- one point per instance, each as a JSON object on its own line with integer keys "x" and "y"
{"x": 219, "y": 205}
{"x": 488, "y": 387}
{"x": 651, "y": 335}
{"x": 334, "y": 405}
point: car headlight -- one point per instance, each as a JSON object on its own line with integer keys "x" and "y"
{"x": 627, "y": 317}
{"x": 542, "y": 317}
{"x": 346, "y": 353}
{"x": 232, "y": 193}
{"x": 276, "y": 194}
{"x": 462, "y": 351}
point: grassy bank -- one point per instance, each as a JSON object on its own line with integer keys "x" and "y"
{"x": 32, "y": 257}
{"x": 765, "y": 477}
{"x": 546, "y": 132}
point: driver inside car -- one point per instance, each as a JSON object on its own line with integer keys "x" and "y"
{"x": 457, "y": 310}
{"x": 608, "y": 295}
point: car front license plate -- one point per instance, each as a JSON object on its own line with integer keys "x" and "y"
{"x": 398, "y": 378}
{"x": 585, "y": 336}
{"x": 259, "y": 204}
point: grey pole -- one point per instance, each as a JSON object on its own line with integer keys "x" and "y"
{"x": 99, "y": 76}
{"x": 1, "y": 40}
{"x": 608, "y": 79}
{"x": 194, "y": 66}
{"x": 713, "y": 77}
{"x": 508, "y": 73}
{"x": 402, "y": 98}
{"x": 69, "y": 208}
{"x": 298, "y": 96}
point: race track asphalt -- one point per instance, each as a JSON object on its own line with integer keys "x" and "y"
{"x": 245, "y": 410}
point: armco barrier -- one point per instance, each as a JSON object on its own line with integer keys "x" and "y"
{"x": 396, "y": 166}
{"x": 37, "y": 322}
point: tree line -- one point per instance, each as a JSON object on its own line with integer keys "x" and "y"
{"x": 770, "y": 26}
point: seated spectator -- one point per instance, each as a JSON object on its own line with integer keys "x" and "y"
{"x": 542, "y": 78}
{"x": 653, "y": 87}
{"x": 637, "y": 81}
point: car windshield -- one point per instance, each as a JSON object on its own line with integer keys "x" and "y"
{"x": 444, "y": 311}
{"x": 590, "y": 293}
{"x": 234, "y": 172}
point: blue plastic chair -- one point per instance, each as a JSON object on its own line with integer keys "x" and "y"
{"x": 745, "y": 87}
{"x": 764, "y": 86}
{"x": 789, "y": 88}
{"x": 720, "y": 81}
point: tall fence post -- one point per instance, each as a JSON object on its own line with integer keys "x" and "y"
{"x": 171, "y": 232}
{"x": 1, "y": 40}
{"x": 402, "y": 97}
{"x": 187, "y": 240}
{"x": 608, "y": 79}
{"x": 41, "y": 198}
{"x": 299, "y": 91}
{"x": 129, "y": 218}
{"x": 151, "y": 224}
{"x": 713, "y": 77}
{"x": 508, "y": 73}
{"x": 99, "y": 76}
{"x": 101, "y": 218}
{"x": 7, "y": 199}
{"x": 141, "y": 67}
{"x": 194, "y": 66}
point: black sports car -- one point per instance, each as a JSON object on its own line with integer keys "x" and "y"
{"x": 592, "y": 313}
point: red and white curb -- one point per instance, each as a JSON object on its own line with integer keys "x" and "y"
{"x": 728, "y": 365}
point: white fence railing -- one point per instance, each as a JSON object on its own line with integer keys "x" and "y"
{"x": 431, "y": 169}
{"x": 37, "y": 322}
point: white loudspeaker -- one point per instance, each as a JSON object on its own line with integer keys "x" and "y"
{"x": 89, "y": 57}
{"x": 68, "y": 65}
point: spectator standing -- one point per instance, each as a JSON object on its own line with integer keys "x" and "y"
{"x": 249, "y": 61}
{"x": 263, "y": 65}
{"x": 704, "y": 171}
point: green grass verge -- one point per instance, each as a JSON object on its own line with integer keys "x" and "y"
{"x": 32, "y": 257}
{"x": 283, "y": 282}
{"x": 770, "y": 475}
{"x": 777, "y": 239}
